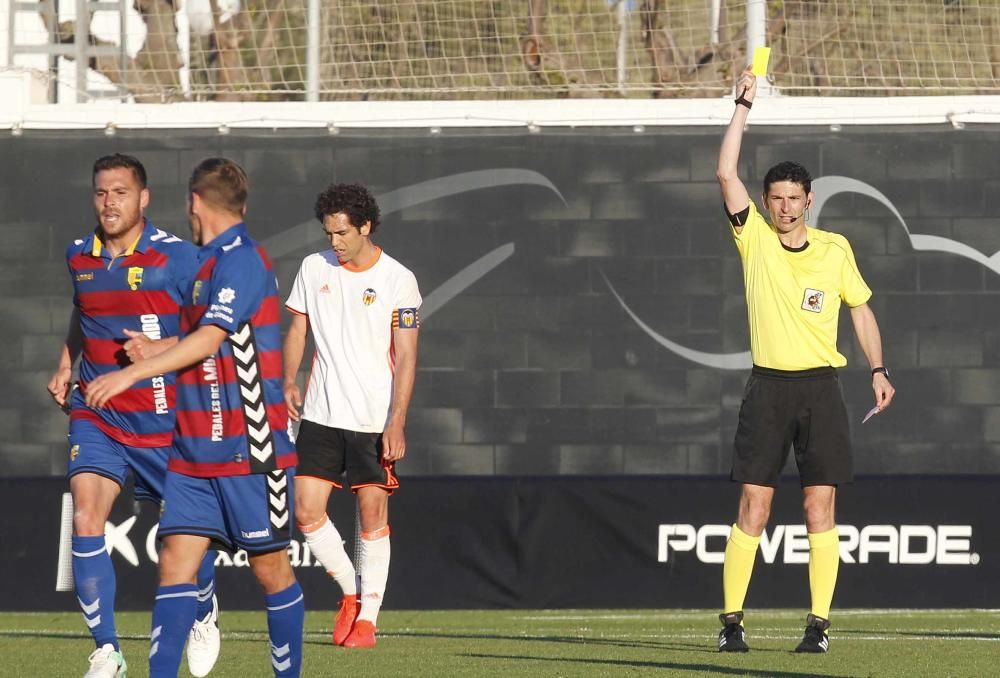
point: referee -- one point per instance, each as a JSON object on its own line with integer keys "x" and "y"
{"x": 796, "y": 277}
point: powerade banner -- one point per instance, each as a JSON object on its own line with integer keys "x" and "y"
{"x": 574, "y": 542}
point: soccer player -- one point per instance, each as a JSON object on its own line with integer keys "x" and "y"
{"x": 230, "y": 472}
{"x": 128, "y": 279}
{"x": 363, "y": 309}
{"x": 796, "y": 277}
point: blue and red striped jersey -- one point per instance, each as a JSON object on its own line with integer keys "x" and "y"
{"x": 142, "y": 289}
{"x": 231, "y": 414}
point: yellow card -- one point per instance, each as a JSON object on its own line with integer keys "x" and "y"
{"x": 760, "y": 57}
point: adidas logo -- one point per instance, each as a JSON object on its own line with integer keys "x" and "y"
{"x": 325, "y": 289}
{"x": 723, "y": 640}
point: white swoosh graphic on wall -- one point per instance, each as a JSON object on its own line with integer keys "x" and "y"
{"x": 722, "y": 361}
{"x": 824, "y": 188}
{"x": 307, "y": 234}
{"x": 462, "y": 280}
{"x": 827, "y": 187}
{"x": 454, "y": 184}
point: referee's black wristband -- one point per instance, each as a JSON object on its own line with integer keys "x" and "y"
{"x": 882, "y": 370}
{"x": 740, "y": 101}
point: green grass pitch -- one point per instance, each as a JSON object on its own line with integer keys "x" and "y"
{"x": 909, "y": 643}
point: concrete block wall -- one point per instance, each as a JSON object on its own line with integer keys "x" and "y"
{"x": 535, "y": 368}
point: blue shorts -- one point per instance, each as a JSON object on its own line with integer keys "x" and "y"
{"x": 91, "y": 450}
{"x": 252, "y": 512}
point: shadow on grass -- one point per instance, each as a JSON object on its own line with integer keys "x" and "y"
{"x": 670, "y": 666}
{"x": 708, "y": 647}
{"x": 234, "y": 635}
{"x": 569, "y": 640}
{"x": 958, "y": 635}
{"x": 65, "y": 635}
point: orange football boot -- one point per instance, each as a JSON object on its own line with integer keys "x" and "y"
{"x": 362, "y": 635}
{"x": 344, "y": 621}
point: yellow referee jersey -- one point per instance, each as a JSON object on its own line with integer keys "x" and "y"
{"x": 793, "y": 297}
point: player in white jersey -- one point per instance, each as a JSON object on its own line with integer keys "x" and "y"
{"x": 362, "y": 307}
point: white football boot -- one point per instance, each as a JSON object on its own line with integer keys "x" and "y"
{"x": 106, "y": 662}
{"x": 203, "y": 642}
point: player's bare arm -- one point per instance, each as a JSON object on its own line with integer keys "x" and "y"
{"x": 197, "y": 346}
{"x": 393, "y": 438}
{"x": 866, "y": 329}
{"x": 139, "y": 347}
{"x": 59, "y": 384}
{"x": 734, "y": 193}
{"x": 291, "y": 354}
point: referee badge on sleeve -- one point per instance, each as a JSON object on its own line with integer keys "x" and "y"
{"x": 812, "y": 300}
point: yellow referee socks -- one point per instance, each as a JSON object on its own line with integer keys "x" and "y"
{"x": 824, "y": 561}
{"x": 741, "y": 551}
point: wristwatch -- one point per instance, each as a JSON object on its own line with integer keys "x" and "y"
{"x": 877, "y": 370}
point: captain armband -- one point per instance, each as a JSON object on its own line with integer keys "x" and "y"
{"x": 405, "y": 319}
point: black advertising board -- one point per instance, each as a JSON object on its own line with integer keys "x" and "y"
{"x": 640, "y": 542}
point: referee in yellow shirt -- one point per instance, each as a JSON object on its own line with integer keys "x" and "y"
{"x": 796, "y": 278}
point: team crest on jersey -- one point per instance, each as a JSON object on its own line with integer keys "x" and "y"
{"x": 74, "y": 452}
{"x": 407, "y": 318}
{"x": 368, "y": 298}
{"x": 812, "y": 300}
{"x": 197, "y": 291}
{"x": 135, "y": 277}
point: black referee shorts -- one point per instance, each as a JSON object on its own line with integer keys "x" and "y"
{"x": 329, "y": 453}
{"x": 802, "y": 409}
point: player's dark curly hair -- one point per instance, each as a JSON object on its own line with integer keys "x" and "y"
{"x": 354, "y": 200}
{"x": 121, "y": 161}
{"x": 788, "y": 171}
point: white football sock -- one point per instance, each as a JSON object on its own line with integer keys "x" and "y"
{"x": 328, "y": 548}
{"x": 374, "y": 568}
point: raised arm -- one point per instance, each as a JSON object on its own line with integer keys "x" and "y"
{"x": 734, "y": 193}
{"x": 866, "y": 329}
{"x": 291, "y": 353}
